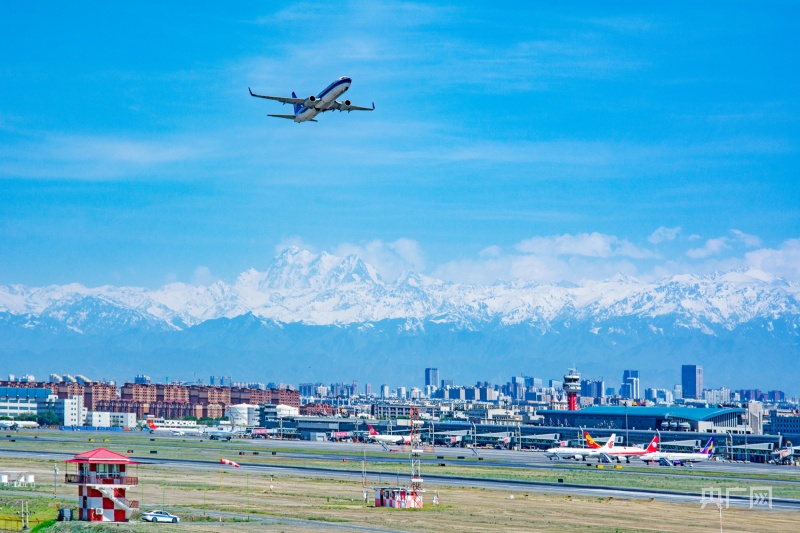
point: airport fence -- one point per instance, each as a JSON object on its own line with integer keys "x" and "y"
{"x": 15, "y": 523}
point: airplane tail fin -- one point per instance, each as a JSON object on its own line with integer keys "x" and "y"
{"x": 590, "y": 442}
{"x": 372, "y": 431}
{"x": 709, "y": 449}
{"x": 653, "y": 446}
{"x": 297, "y": 107}
{"x": 150, "y": 424}
{"x": 611, "y": 440}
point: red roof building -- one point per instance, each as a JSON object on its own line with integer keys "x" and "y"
{"x": 102, "y": 479}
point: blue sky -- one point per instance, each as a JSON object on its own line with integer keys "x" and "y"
{"x": 528, "y": 141}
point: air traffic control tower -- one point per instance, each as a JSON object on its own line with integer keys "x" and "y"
{"x": 102, "y": 481}
{"x": 572, "y": 386}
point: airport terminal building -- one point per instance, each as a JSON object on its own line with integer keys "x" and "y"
{"x": 672, "y": 418}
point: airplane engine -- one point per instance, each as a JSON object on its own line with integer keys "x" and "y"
{"x": 578, "y": 457}
{"x": 346, "y": 102}
{"x": 310, "y": 101}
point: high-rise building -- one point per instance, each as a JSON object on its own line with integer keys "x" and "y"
{"x": 592, "y": 388}
{"x": 692, "y": 382}
{"x": 384, "y": 392}
{"x": 678, "y": 391}
{"x": 432, "y": 377}
{"x": 630, "y": 385}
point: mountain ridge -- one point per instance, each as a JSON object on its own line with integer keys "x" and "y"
{"x": 319, "y": 317}
{"x": 323, "y": 289}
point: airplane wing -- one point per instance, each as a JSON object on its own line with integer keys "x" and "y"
{"x": 282, "y": 99}
{"x": 341, "y": 106}
{"x": 292, "y": 117}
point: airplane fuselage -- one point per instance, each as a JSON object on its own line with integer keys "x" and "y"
{"x": 567, "y": 452}
{"x": 324, "y": 100}
{"x": 676, "y": 458}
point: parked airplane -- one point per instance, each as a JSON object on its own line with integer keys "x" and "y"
{"x": 590, "y": 442}
{"x": 374, "y": 436}
{"x": 178, "y": 431}
{"x": 680, "y": 458}
{"x": 613, "y": 452}
{"x": 221, "y": 433}
{"x": 579, "y": 454}
{"x": 305, "y": 109}
{"x": 14, "y": 424}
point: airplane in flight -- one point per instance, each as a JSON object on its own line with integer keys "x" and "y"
{"x": 579, "y": 454}
{"x": 680, "y": 458}
{"x": 374, "y": 436}
{"x": 305, "y": 109}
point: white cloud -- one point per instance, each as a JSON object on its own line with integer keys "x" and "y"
{"x": 577, "y": 258}
{"x": 549, "y": 259}
{"x": 748, "y": 240}
{"x": 583, "y": 244}
{"x": 783, "y": 261}
{"x": 711, "y": 247}
{"x": 202, "y": 276}
{"x": 96, "y": 157}
{"x": 664, "y": 234}
{"x": 528, "y": 267}
{"x": 389, "y": 258}
{"x": 716, "y": 246}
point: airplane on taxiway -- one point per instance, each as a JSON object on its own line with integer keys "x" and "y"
{"x": 610, "y": 451}
{"x": 305, "y": 109}
{"x": 173, "y": 430}
{"x": 680, "y": 458}
{"x": 579, "y": 454}
{"x": 374, "y": 436}
{"x": 14, "y": 424}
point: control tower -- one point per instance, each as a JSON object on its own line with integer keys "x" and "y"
{"x": 572, "y": 386}
{"x": 102, "y": 479}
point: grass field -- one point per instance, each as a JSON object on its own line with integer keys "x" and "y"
{"x": 320, "y": 503}
{"x": 629, "y": 476}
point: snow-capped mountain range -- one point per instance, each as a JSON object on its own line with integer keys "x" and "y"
{"x": 322, "y": 289}
{"x": 321, "y": 317}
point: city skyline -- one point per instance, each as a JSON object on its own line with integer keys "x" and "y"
{"x": 593, "y": 383}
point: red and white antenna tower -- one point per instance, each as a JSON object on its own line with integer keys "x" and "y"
{"x": 416, "y": 452}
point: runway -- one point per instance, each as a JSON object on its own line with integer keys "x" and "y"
{"x": 328, "y": 451}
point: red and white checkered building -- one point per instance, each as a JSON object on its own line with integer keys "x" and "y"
{"x": 102, "y": 480}
{"x": 398, "y": 498}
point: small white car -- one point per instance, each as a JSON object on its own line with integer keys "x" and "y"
{"x": 160, "y": 516}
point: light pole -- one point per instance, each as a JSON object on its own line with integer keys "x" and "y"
{"x": 730, "y": 446}
{"x": 55, "y": 479}
{"x": 627, "y": 437}
{"x": 746, "y": 428}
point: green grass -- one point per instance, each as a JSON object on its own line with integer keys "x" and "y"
{"x": 43, "y": 526}
{"x": 630, "y": 476}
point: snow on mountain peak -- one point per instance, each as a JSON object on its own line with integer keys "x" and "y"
{"x": 300, "y": 286}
